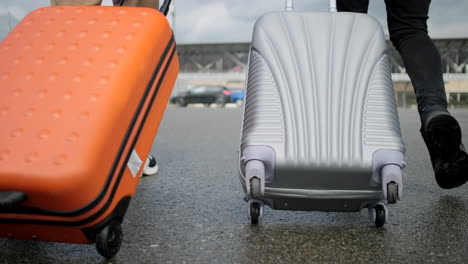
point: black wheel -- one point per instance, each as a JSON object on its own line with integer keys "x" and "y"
{"x": 379, "y": 215}
{"x": 254, "y": 213}
{"x": 181, "y": 102}
{"x": 255, "y": 189}
{"x": 392, "y": 193}
{"x": 109, "y": 239}
{"x": 221, "y": 102}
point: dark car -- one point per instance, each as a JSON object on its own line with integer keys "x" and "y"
{"x": 206, "y": 94}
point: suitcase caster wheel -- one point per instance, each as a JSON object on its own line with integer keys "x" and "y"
{"x": 255, "y": 187}
{"x": 255, "y": 212}
{"x": 380, "y": 215}
{"x": 392, "y": 193}
{"x": 151, "y": 166}
{"x": 109, "y": 239}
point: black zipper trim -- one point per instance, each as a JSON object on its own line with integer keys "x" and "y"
{"x": 170, "y": 48}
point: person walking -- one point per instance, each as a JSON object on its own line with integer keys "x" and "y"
{"x": 407, "y": 24}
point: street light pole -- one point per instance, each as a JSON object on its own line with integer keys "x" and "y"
{"x": 333, "y": 6}
{"x": 289, "y": 5}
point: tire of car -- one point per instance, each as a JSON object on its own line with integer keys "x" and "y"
{"x": 181, "y": 102}
{"x": 221, "y": 102}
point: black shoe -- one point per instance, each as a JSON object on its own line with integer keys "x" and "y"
{"x": 442, "y": 135}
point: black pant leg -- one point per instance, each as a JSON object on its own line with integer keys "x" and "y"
{"x": 408, "y": 33}
{"x": 357, "y": 6}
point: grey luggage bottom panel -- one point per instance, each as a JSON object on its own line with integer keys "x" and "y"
{"x": 325, "y": 200}
{"x": 315, "y": 178}
{"x": 321, "y": 200}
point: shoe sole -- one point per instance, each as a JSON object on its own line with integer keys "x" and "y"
{"x": 444, "y": 134}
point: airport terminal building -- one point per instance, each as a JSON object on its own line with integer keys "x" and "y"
{"x": 226, "y": 64}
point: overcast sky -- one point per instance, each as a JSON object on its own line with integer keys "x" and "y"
{"x": 215, "y": 21}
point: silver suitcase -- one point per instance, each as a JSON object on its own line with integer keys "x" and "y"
{"x": 320, "y": 128}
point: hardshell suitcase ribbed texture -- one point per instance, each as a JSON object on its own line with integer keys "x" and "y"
{"x": 320, "y": 129}
{"x": 82, "y": 93}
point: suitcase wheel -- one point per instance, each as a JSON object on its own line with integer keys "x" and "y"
{"x": 380, "y": 215}
{"x": 255, "y": 208}
{"x": 392, "y": 183}
{"x": 109, "y": 239}
{"x": 392, "y": 193}
{"x": 255, "y": 188}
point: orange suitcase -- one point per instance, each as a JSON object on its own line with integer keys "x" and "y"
{"x": 82, "y": 92}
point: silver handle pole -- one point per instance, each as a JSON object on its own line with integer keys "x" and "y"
{"x": 333, "y": 8}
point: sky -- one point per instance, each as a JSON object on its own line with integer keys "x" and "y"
{"x": 222, "y": 21}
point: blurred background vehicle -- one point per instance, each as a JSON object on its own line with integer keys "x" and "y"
{"x": 237, "y": 95}
{"x": 206, "y": 94}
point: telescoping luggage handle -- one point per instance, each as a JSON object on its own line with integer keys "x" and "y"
{"x": 333, "y": 8}
{"x": 164, "y": 8}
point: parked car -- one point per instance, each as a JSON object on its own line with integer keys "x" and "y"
{"x": 207, "y": 94}
{"x": 237, "y": 95}
{"x": 173, "y": 98}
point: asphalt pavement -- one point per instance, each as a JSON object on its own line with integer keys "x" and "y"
{"x": 193, "y": 212}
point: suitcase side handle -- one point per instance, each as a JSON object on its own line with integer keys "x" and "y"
{"x": 10, "y": 199}
{"x": 164, "y": 8}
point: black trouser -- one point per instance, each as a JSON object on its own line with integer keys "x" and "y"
{"x": 408, "y": 33}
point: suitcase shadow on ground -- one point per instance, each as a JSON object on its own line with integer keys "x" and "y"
{"x": 314, "y": 242}
{"x": 21, "y": 251}
{"x": 330, "y": 236}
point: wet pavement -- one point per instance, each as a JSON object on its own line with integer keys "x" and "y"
{"x": 193, "y": 212}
